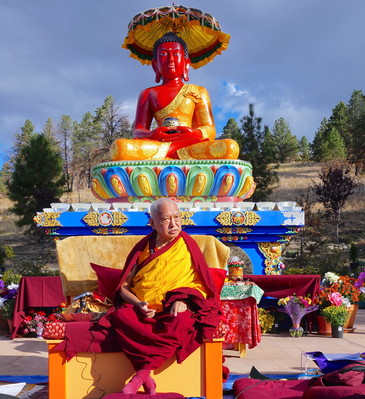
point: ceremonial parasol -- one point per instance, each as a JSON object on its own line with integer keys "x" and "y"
{"x": 199, "y": 30}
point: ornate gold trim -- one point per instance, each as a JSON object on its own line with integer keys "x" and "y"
{"x": 47, "y": 219}
{"x": 109, "y": 230}
{"x": 119, "y": 218}
{"x": 185, "y": 218}
{"x": 92, "y": 219}
{"x": 238, "y": 218}
{"x": 234, "y": 230}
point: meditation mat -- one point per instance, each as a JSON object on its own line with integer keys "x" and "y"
{"x": 334, "y": 361}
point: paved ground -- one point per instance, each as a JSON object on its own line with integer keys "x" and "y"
{"x": 276, "y": 354}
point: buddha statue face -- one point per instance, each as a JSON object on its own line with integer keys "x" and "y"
{"x": 170, "y": 60}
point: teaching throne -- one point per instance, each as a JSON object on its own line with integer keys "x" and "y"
{"x": 93, "y": 374}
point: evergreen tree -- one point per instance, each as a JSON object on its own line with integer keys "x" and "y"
{"x": 231, "y": 130}
{"x": 22, "y": 139}
{"x": 36, "y": 181}
{"x": 333, "y": 146}
{"x": 85, "y": 146}
{"x": 318, "y": 140}
{"x": 268, "y": 146}
{"x": 64, "y": 132}
{"x": 304, "y": 149}
{"x": 4, "y": 178}
{"x": 339, "y": 121}
{"x": 252, "y": 150}
{"x": 286, "y": 143}
{"x": 356, "y": 125}
{"x": 50, "y": 132}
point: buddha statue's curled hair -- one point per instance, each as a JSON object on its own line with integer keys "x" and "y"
{"x": 170, "y": 37}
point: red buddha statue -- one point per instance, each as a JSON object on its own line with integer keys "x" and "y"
{"x": 183, "y": 113}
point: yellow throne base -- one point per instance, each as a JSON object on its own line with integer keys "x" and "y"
{"x": 93, "y": 375}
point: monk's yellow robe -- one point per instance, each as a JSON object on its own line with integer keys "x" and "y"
{"x": 172, "y": 269}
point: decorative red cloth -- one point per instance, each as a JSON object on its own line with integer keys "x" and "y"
{"x": 281, "y": 286}
{"x": 239, "y": 322}
{"x": 36, "y": 292}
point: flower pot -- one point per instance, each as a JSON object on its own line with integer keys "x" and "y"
{"x": 324, "y": 328}
{"x": 39, "y": 331}
{"x": 296, "y": 331}
{"x": 337, "y": 331}
{"x": 349, "y": 324}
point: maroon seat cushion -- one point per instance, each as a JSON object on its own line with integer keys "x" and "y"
{"x": 250, "y": 388}
{"x": 168, "y": 395}
{"x": 108, "y": 279}
{"x": 335, "y": 392}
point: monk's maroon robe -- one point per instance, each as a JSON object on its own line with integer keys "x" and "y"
{"x": 149, "y": 342}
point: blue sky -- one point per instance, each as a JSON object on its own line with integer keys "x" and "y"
{"x": 292, "y": 59}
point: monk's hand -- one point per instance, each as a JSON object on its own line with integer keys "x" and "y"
{"x": 145, "y": 310}
{"x": 178, "y": 307}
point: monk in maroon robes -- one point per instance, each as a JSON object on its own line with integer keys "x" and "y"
{"x": 170, "y": 304}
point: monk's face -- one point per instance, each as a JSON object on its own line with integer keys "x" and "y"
{"x": 170, "y": 60}
{"x": 167, "y": 222}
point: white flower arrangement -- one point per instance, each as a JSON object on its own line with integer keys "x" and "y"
{"x": 331, "y": 278}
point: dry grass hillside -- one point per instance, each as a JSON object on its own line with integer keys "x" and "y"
{"x": 295, "y": 178}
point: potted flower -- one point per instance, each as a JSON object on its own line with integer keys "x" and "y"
{"x": 296, "y": 307}
{"x": 344, "y": 286}
{"x": 336, "y": 316}
{"x": 9, "y": 284}
{"x": 33, "y": 324}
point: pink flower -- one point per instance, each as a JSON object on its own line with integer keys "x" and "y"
{"x": 335, "y": 298}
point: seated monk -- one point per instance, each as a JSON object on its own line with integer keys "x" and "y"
{"x": 170, "y": 300}
{"x": 182, "y": 111}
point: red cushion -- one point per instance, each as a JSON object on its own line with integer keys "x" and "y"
{"x": 335, "y": 392}
{"x": 219, "y": 276}
{"x": 167, "y": 395}
{"x": 108, "y": 279}
{"x": 251, "y": 388}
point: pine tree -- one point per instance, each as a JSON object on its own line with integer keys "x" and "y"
{"x": 64, "y": 132}
{"x": 85, "y": 148}
{"x": 37, "y": 179}
{"x": 4, "y": 178}
{"x": 252, "y": 150}
{"x": 231, "y": 130}
{"x": 339, "y": 121}
{"x": 22, "y": 139}
{"x": 356, "y": 125}
{"x": 50, "y": 132}
{"x": 286, "y": 143}
{"x": 304, "y": 149}
{"x": 318, "y": 140}
{"x": 333, "y": 146}
{"x": 268, "y": 146}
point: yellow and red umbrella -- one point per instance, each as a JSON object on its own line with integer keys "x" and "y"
{"x": 199, "y": 30}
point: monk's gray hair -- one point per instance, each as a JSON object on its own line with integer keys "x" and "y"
{"x": 158, "y": 204}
